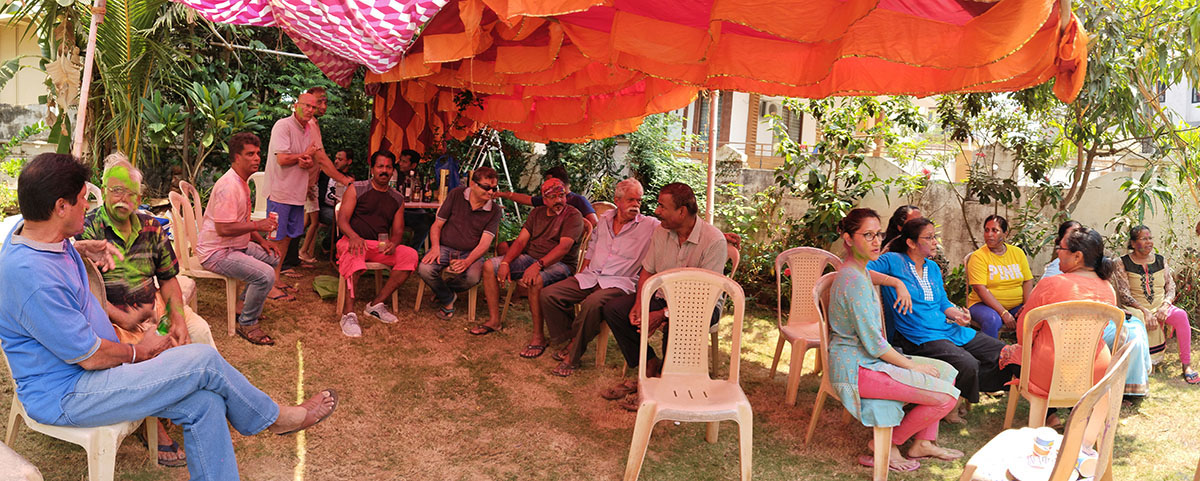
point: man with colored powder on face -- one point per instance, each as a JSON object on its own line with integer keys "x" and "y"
{"x": 136, "y": 302}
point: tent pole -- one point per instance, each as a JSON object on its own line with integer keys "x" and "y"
{"x": 710, "y": 192}
{"x": 88, "y": 60}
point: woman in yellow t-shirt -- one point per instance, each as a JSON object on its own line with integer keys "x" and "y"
{"x": 999, "y": 277}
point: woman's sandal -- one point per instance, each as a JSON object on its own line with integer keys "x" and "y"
{"x": 1191, "y": 377}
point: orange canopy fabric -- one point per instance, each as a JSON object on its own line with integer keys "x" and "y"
{"x": 573, "y": 70}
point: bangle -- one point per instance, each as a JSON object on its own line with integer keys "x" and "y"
{"x": 134, "y": 360}
{"x": 541, "y": 265}
{"x": 503, "y": 263}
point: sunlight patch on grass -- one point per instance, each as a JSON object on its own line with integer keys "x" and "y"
{"x": 301, "y": 441}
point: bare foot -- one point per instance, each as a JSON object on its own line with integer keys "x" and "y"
{"x": 927, "y": 449}
{"x": 308, "y": 413}
{"x": 896, "y": 461}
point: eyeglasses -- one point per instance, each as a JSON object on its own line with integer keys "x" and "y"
{"x": 1060, "y": 248}
{"x": 489, "y": 188}
{"x": 118, "y": 191}
{"x": 930, "y": 238}
{"x": 872, "y": 236}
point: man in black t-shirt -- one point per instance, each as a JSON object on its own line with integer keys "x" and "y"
{"x": 417, "y": 220}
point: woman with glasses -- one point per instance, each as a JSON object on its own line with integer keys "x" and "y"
{"x": 999, "y": 276}
{"x": 934, "y": 327}
{"x": 1064, "y": 229}
{"x": 873, "y": 381}
{"x": 1146, "y": 288}
{"x": 1085, "y": 277}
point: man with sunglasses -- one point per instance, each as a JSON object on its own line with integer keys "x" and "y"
{"x": 135, "y": 301}
{"x": 467, "y": 222}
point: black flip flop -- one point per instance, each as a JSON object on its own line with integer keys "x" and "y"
{"x": 486, "y": 330}
{"x": 171, "y": 448}
{"x": 540, "y": 348}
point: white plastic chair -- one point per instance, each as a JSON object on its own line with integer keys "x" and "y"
{"x": 735, "y": 257}
{"x": 193, "y": 196}
{"x": 801, "y": 331}
{"x": 685, "y": 392}
{"x": 262, "y": 187}
{"x": 187, "y": 232}
{"x": 1077, "y": 328}
{"x": 101, "y": 442}
{"x": 94, "y": 196}
{"x": 882, "y": 435}
{"x": 1093, "y": 420}
{"x": 377, "y": 267}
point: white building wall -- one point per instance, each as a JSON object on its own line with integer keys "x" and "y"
{"x": 1179, "y": 99}
{"x": 737, "y": 119}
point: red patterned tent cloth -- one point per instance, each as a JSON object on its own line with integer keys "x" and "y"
{"x": 337, "y": 35}
{"x": 573, "y": 70}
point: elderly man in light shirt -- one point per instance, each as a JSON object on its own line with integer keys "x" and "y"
{"x": 610, "y": 269}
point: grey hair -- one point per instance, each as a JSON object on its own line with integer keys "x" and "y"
{"x": 625, "y": 187}
{"x": 118, "y": 159}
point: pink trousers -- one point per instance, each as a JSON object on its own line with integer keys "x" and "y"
{"x": 1178, "y": 319}
{"x": 921, "y": 421}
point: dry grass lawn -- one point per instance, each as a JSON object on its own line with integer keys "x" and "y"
{"x": 422, "y": 399}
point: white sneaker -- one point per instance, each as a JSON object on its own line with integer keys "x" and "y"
{"x": 350, "y": 325}
{"x": 380, "y": 311}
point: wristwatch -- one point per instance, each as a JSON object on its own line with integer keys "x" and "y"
{"x": 541, "y": 265}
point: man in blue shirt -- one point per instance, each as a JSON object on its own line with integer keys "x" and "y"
{"x": 71, "y": 370}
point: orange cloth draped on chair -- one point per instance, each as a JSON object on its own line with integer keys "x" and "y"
{"x": 573, "y": 70}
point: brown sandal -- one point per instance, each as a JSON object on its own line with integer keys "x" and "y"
{"x": 255, "y": 335}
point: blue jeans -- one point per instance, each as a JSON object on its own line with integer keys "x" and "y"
{"x": 191, "y": 385}
{"x": 550, "y": 274}
{"x": 443, "y": 290}
{"x": 989, "y": 321}
{"x": 255, "y": 267}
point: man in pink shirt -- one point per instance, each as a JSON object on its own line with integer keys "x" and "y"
{"x": 224, "y": 245}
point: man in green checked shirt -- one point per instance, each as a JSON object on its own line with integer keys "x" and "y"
{"x": 136, "y": 302}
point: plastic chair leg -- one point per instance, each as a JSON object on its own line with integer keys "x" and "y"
{"x": 230, "y": 303}
{"x": 714, "y": 351}
{"x": 883, "y": 453}
{"x": 1038, "y": 408}
{"x": 641, "y": 439}
{"x": 340, "y": 305}
{"x": 799, "y": 349}
{"x": 1196, "y": 478}
{"x": 602, "y": 345}
{"x": 378, "y": 281}
{"x": 102, "y": 458}
{"x": 396, "y": 300}
{"x": 12, "y": 422}
{"x": 420, "y": 295}
{"x": 746, "y": 440}
{"x": 816, "y": 413}
{"x": 778, "y": 354}
{"x": 968, "y": 473}
{"x": 507, "y": 301}
{"x": 1013, "y": 394}
{"x": 472, "y": 297}
{"x": 152, "y": 438}
{"x": 711, "y": 431}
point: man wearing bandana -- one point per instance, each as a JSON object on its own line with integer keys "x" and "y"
{"x": 135, "y": 301}
{"x": 545, "y": 252}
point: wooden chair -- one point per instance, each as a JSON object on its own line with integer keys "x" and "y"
{"x": 685, "y": 392}
{"x": 512, "y": 285}
{"x": 100, "y": 442}
{"x": 1077, "y": 328}
{"x": 186, "y": 228}
{"x": 376, "y": 267}
{"x": 262, "y": 187}
{"x": 801, "y": 331}
{"x": 882, "y": 435}
{"x": 1093, "y": 421}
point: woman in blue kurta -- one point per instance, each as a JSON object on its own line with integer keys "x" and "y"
{"x": 934, "y": 327}
{"x": 872, "y": 380}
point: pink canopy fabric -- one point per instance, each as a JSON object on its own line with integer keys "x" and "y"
{"x": 337, "y": 35}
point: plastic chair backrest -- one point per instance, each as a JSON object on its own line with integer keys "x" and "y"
{"x": 807, "y": 264}
{"x": 183, "y": 218}
{"x": 820, "y": 297}
{"x": 1077, "y": 327}
{"x": 601, "y": 207}
{"x": 692, "y": 294}
{"x": 193, "y": 196}
{"x": 1094, "y": 420}
{"x": 583, "y": 245}
{"x": 94, "y": 196}
{"x": 262, "y": 187}
{"x": 735, "y": 257}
